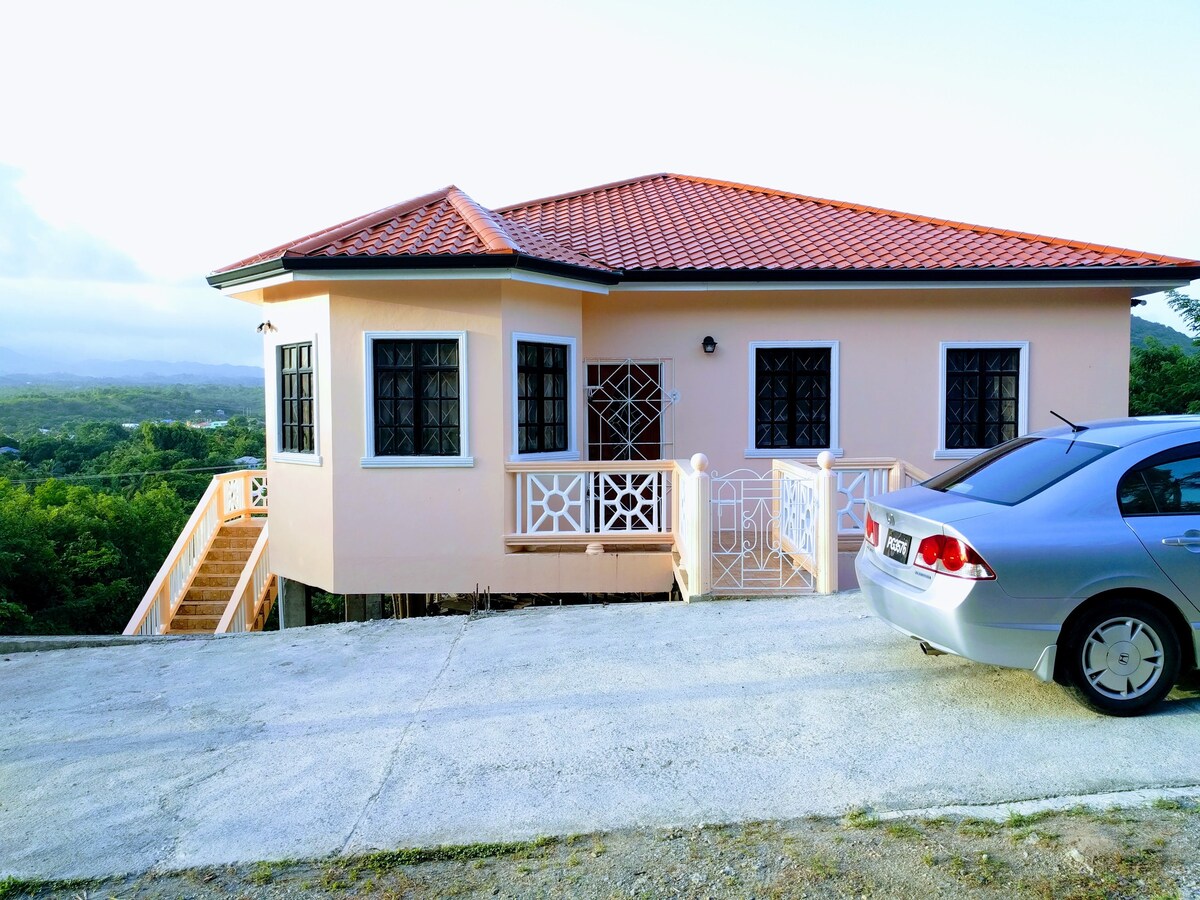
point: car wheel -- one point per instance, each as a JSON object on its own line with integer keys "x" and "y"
{"x": 1122, "y": 657}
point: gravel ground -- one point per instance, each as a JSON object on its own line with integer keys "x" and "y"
{"x": 1151, "y": 851}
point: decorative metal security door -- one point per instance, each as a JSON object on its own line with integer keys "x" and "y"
{"x": 764, "y": 533}
{"x": 627, "y": 406}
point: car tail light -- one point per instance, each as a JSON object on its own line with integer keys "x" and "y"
{"x": 871, "y": 529}
{"x": 951, "y": 556}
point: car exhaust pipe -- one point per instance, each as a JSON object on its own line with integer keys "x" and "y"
{"x": 929, "y": 650}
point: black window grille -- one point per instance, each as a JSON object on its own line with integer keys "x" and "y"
{"x": 296, "y": 432}
{"x": 792, "y": 398}
{"x": 541, "y": 397}
{"x": 982, "y": 402}
{"x": 417, "y": 398}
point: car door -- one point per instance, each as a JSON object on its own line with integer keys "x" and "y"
{"x": 1160, "y": 500}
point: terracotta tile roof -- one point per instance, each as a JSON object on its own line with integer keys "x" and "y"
{"x": 444, "y": 223}
{"x": 675, "y": 223}
{"x": 669, "y": 221}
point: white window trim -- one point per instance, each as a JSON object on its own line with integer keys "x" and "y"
{"x": 278, "y": 454}
{"x": 572, "y": 451}
{"x": 1022, "y": 391}
{"x": 370, "y": 460}
{"x": 753, "y": 452}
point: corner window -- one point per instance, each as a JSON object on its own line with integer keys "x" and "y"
{"x": 297, "y": 403}
{"x": 416, "y": 399}
{"x": 543, "y": 385}
{"x": 793, "y": 408}
{"x": 984, "y": 396}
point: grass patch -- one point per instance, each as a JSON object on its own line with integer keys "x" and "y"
{"x": 903, "y": 830}
{"x": 387, "y": 860}
{"x": 1114, "y": 876}
{"x": 1167, "y": 804}
{"x": 860, "y": 818}
{"x": 978, "y": 827}
{"x": 980, "y": 870}
{"x": 14, "y": 887}
{"x": 1024, "y": 820}
{"x": 262, "y": 873}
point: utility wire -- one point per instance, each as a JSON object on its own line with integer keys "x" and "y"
{"x": 120, "y": 474}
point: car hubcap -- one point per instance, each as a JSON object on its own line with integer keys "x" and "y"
{"x": 1123, "y": 658}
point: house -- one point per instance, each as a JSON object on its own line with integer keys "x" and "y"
{"x": 460, "y": 396}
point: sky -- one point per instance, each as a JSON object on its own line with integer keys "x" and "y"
{"x": 146, "y": 144}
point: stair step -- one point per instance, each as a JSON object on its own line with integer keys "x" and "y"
{"x": 202, "y": 608}
{"x": 212, "y": 568}
{"x": 225, "y": 540}
{"x": 229, "y": 555}
{"x": 195, "y": 623}
{"x": 207, "y": 579}
{"x": 207, "y": 594}
{"x": 244, "y": 525}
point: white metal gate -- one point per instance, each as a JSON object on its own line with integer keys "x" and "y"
{"x": 764, "y": 532}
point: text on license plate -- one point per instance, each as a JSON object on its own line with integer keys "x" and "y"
{"x": 896, "y": 546}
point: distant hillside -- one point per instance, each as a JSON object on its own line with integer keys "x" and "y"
{"x": 27, "y": 408}
{"x": 21, "y": 368}
{"x": 1140, "y": 329}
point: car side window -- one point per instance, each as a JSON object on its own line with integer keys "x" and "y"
{"x": 1166, "y": 485}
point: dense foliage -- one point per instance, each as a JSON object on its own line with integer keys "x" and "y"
{"x": 45, "y": 406}
{"x": 1163, "y": 380}
{"x": 89, "y": 512}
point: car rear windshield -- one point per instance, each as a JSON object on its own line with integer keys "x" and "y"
{"x": 1017, "y": 469}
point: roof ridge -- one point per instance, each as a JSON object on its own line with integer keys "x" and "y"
{"x": 351, "y": 226}
{"x": 500, "y": 210}
{"x": 478, "y": 219}
{"x": 930, "y": 220}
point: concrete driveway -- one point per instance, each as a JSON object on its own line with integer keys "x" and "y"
{"x": 351, "y": 737}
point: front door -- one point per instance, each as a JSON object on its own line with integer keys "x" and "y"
{"x": 625, "y": 410}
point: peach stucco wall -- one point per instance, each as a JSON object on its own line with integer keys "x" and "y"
{"x": 889, "y": 356}
{"x": 348, "y": 528}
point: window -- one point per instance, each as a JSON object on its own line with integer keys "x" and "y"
{"x": 543, "y": 385}
{"x": 1167, "y": 484}
{"x": 416, "y": 400}
{"x": 297, "y": 419}
{"x": 984, "y": 396}
{"x": 794, "y": 402}
{"x": 1017, "y": 470}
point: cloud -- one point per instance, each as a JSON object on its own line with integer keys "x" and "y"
{"x": 31, "y": 247}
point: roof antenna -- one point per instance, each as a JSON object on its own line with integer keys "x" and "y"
{"x": 1074, "y": 428}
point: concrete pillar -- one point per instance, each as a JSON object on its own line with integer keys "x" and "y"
{"x": 356, "y": 607}
{"x": 374, "y": 604}
{"x": 293, "y": 611}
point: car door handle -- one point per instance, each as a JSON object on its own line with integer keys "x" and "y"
{"x": 1183, "y": 541}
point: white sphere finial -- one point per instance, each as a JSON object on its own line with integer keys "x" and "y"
{"x": 699, "y": 462}
{"x": 825, "y": 459}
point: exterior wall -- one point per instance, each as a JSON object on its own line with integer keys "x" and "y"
{"x": 300, "y": 496}
{"x": 442, "y": 529}
{"x": 354, "y": 529}
{"x": 889, "y": 357}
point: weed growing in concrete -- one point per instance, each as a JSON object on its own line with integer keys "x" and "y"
{"x": 903, "y": 830}
{"x": 1165, "y": 803}
{"x": 860, "y": 818}
{"x": 978, "y": 827}
{"x": 262, "y": 873}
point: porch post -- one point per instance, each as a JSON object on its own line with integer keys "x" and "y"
{"x": 701, "y": 574}
{"x": 827, "y": 525}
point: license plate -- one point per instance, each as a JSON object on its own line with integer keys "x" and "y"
{"x": 896, "y": 546}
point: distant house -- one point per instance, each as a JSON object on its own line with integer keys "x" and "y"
{"x": 458, "y": 395}
{"x": 248, "y": 462}
{"x": 9, "y": 451}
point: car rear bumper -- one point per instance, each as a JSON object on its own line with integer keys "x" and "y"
{"x": 972, "y": 619}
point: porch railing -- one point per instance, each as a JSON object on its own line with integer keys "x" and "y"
{"x": 229, "y": 497}
{"x": 812, "y": 511}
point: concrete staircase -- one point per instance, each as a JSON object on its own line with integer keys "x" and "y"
{"x": 203, "y": 604}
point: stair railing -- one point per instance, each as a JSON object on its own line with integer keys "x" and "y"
{"x": 229, "y": 497}
{"x": 251, "y": 597}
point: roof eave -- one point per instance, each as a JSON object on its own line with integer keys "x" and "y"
{"x": 1098, "y": 274}
{"x": 334, "y": 264}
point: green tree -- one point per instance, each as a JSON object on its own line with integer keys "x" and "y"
{"x": 1188, "y": 309}
{"x": 1162, "y": 380}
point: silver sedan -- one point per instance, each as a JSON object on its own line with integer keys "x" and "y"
{"x": 1072, "y": 552}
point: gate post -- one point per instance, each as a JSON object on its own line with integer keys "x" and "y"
{"x": 827, "y": 525}
{"x": 701, "y": 574}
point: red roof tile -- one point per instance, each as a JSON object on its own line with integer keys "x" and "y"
{"x": 679, "y": 223}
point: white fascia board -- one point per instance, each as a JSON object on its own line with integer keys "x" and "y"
{"x": 1139, "y": 288}
{"x": 417, "y": 275}
{"x": 242, "y": 287}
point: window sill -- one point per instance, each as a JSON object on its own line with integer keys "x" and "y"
{"x": 785, "y": 453}
{"x": 956, "y": 454}
{"x": 556, "y": 456}
{"x": 296, "y": 459}
{"x": 417, "y": 462}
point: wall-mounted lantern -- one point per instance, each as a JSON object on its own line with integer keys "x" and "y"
{"x": 709, "y": 344}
